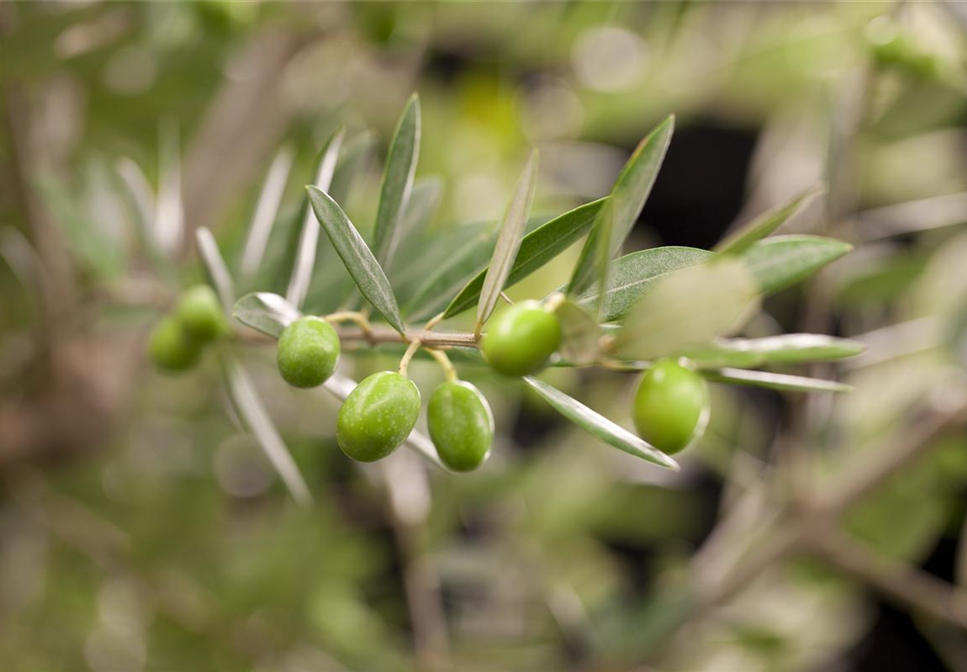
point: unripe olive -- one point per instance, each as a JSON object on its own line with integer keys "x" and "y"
{"x": 377, "y": 416}
{"x": 200, "y": 313}
{"x": 461, "y": 425}
{"x": 308, "y": 352}
{"x": 520, "y": 340}
{"x": 671, "y": 406}
{"x": 170, "y": 348}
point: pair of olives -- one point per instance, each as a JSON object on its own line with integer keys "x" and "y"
{"x": 379, "y": 414}
{"x": 177, "y": 341}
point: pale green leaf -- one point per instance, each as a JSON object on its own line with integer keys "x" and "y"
{"x": 397, "y": 183}
{"x": 355, "y": 254}
{"x": 774, "y": 381}
{"x": 266, "y": 211}
{"x": 446, "y": 279}
{"x": 265, "y": 312}
{"x": 580, "y": 333}
{"x": 688, "y": 308}
{"x": 536, "y": 249}
{"x": 599, "y": 426}
{"x": 745, "y": 353}
{"x": 765, "y": 224}
{"x": 782, "y": 261}
{"x": 216, "y": 268}
{"x": 508, "y": 240}
{"x": 615, "y": 221}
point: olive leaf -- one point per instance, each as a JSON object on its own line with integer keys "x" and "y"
{"x": 508, "y": 240}
{"x": 422, "y": 205}
{"x": 615, "y": 221}
{"x": 781, "y": 261}
{"x": 341, "y": 386}
{"x": 633, "y": 274}
{"x": 774, "y": 381}
{"x": 397, "y": 182}
{"x": 688, "y": 308}
{"x": 580, "y": 333}
{"x": 253, "y": 413}
{"x": 355, "y": 254}
{"x": 136, "y": 193}
{"x": 352, "y": 158}
{"x": 305, "y": 257}
{"x": 169, "y": 214}
{"x": 536, "y": 249}
{"x": 265, "y": 312}
{"x": 744, "y": 353}
{"x": 766, "y": 223}
{"x": 266, "y": 210}
{"x": 599, "y": 426}
{"x": 216, "y": 268}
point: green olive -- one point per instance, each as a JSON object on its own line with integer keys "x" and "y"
{"x": 520, "y": 340}
{"x": 461, "y": 425}
{"x": 378, "y": 416}
{"x": 170, "y": 348}
{"x": 308, "y": 352}
{"x": 201, "y": 314}
{"x": 671, "y": 406}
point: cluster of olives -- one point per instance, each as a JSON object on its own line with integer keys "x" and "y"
{"x": 670, "y": 405}
{"x": 177, "y": 341}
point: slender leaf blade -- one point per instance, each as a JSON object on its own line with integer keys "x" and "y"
{"x": 782, "y": 261}
{"x": 765, "y": 224}
{"x": 254, "y": 414}
{"x": 508, "y": 240}
{"x": 687, "y": 308}
{"x": 615, "y": 221}
{"x": 309, "y": 238}
{"x": 356, "y": 255}
{"x": 446, "y": 280}
{"x": 215, "y": 265}
{"x": 580, "y": 333}
{"x": 633, "y": 274}
{"x": 266, "y": 210}
{"x": 397, "y": 182}
{"x": 265, "y": 312}
{"x": 774, "y": 381}
{"x": 745, "y": 353}
{"x": 599, "y": 426}
{"x": 536, "y": 249}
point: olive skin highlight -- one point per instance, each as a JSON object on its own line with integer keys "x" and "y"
{"x": 170, "y": 348}
{"x": 308, "y": 352}
{"x": 520, "y": 340}
{"x": 200, "y": 313}
{"x": 671, "y": 406}
{"x": 461, "y": 425}
{"x": 377, "y": 416}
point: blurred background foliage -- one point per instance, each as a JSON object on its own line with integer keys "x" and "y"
{"x": 141, "y": 529}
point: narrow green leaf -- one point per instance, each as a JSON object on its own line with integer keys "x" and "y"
{"x": 599, "y": 426}
{"x": 633, "y": 274}
{"x": 423, "y": 203}
{"x": 580, "y": 333}
{"x": 775, "y": 381}
{"x": 508, "y": 240}
{"x": 305, "y": 257}
{"x": 615, "y": 221}
{"x": 216, "y": 268}
{"x": 266, "y": 210}
{"x": 340, "y": 387}
{"x": 688, "y": 308}
{"x": 536, "y": 249}
{"x": 781, "y": 261}
{"x": 359, "y": 261}
{"x": 169, "y": 213}
{"x": 252, "y": 411}
{"x": 765, "y": 224}
{"x": 745, "y": 353}
{"x": 265, "y": 312}
{"x": 397, "y": 182}
{"x": 352, "y": 159}
{"x": 447, "y": 278}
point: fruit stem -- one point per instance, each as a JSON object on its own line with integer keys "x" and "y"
{"x": 351, "y": 316}
{"x": 506, "y": 298}
{"x": 408, "y": 355}
{"x": 445, "y": 364}
{"x": 435, "y": 320}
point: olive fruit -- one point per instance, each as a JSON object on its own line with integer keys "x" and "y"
{"x": 520, "y": 340}
{"x": 170, "y": 348}
{"x": 200, "y": 313}
{"x": 377, "y": 416}
{"x": 461, "y": 425}
{"x": 671, "y": 406}
{"x": 308, "y": 352}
